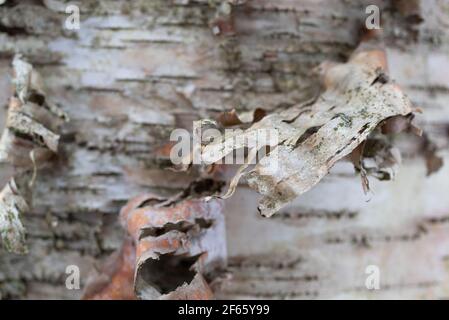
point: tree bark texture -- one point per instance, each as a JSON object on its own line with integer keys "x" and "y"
{"x": 135, "y": 70}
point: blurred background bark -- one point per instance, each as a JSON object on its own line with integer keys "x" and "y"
{"x": 135, "y": 70}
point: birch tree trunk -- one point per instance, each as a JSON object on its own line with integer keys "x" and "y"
{"x": 135, "y": 70}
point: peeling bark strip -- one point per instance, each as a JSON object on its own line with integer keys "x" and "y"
{"x": 27, "y": 141}
{"x": 31, "y": 120}
{"x": 177, "y": 246}
{"x": 313, "y": 136}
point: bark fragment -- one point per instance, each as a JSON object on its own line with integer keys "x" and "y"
{"x": 358, "y": 97}
{"x": 178, "y": 242}
{"x": 28, "y": 140}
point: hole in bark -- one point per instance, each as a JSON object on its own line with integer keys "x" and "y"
{"x": 182, "y": 226}
{"x": 36, "y": 98}
{"x": 169, "y": 272}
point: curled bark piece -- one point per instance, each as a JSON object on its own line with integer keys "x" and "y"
{"x": 31, "y": 120}
{"x": 24, "y": 125}
{"x": 175, "y": 246}
{"x": 358, "y": 97}
{"x": 29, "y": 87}
{"x": 178, "y": 244}
{"x": 28, "y": 140}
